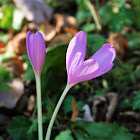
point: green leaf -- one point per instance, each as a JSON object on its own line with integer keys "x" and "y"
{"x": 5, "y": 75}
{"x": 80, "y": 105}
{"x": 95, "y": 42}
{"x": 54, "y": 71}
{"x": 33, "y": 127}
{"x": 88, "y": 27}
{"x": 1, "y": 138}
{"x": 19, "y": 127}
{"x": 4, "y": 2}
{"x": 29, "y": 74}
{"x": 105, "y": 10}
{"x": 136, "y": 4}
{"x": 55, "y": 56}
{"x": 5, "y": 56}
{"x": 50, "y": 106}
{"x": 123, "y": 74}
{"x": 4, "y": 37}
{"x": 65, "y": 135}
{"x": 116, "y": 19}
{"x": 136, "y": 101}
{"x": 4, "y": 86}
{"x": 83, "y": 12}
{"x": 126, "y": 104}
{"x": 101, "y": 131}
{"x": 7, "y": 18}
{"x": 100, "y": 92}
{"x": 133, "y": 40}
{"x": 82, "y": 136}
{"x": 68, "y": 104}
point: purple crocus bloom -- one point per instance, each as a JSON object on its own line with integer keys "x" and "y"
{"x": 36, "y": 50}
{"x": 79, "y": 69}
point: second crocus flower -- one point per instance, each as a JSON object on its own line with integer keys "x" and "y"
{"x": 79, "y": 69}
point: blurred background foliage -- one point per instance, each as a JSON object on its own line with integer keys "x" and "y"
{"x": 105, "y": 108}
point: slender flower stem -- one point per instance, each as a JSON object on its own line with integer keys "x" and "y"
{"x": 39, "y": 107}
{"x": 56, "y": 111}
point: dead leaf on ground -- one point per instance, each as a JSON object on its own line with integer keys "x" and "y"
{"x": 17, "y": 44}
{"x": 31, "y": 103}
{"x": 10, "y": 97}
{"x": 131, "y": 120}
{"x": 119, "y": 42}
{"x": 63, "y": 21}
{"x": 75, "y": 110}
{"x": 58, "y": 40}
{"x": 70, "y": 30}
{"x": 50, "y": 31}
{"x": 113, "y": 102}
{"x": 99, "y": 108}
{"x": 130, "y": 115}
{"x": 104, "y": 107}
{"x": 2, "y": 47}
{"x": 15, "y": 66}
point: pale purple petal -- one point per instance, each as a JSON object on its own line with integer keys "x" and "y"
{"x": 28, "y": 43}
{"x": 104, "y": 57}
{"x": 76, "y": 45}
{"x": 105, "y": 71}
{"x": 40, "y": 50}
{"x": 32, "y": 53}
{"x": 74, "y": 64}
{"x": 87, "y": 70}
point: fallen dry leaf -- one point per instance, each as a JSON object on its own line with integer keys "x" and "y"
{"x": 130, "y": 115}
{"x": 119, "y": 42}
{"x": 50, "y": 31}
{"x": 131, "y": 120}
{"x": 2, "y": 47}
{"x": 104, "y": 107}
{"x": 17, "y": 44}
{"x": 113, "y": 102}
{"x": 63, "y": 21}
{"x": 75, "y": 110}
{"x": 31, "y": 103}
{"x": 99, "y": 108}
{"x": 58, "y": 40}
{"x": 15, "y": 66}
{"x": 70, "y": 30}
{"x": 10, "y": 97}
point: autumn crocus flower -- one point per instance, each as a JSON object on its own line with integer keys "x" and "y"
{"x": 79, "y": 69}
{"x": 36, "y": 50}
